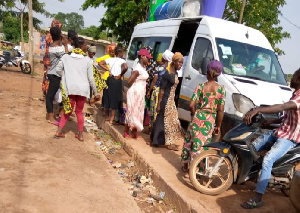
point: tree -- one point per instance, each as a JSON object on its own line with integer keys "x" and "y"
{"x": 21, "y": 6}
{"x": 122, "y": 15}
{"x": 11, "y": 27}
{"x": 70, "y": 21}
{"x": 94, "y": 32}
{"x": 261, "y": 15}
{"x": 12, "y": 23}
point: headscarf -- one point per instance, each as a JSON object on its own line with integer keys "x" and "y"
{"x": 56, "y": 23}
{"x": 177, "y": 56}
{"x": 214, "y": 68}
{"x": 111, "y": 47}
{"x": 91, "y": 49}
{"x": 159, "y": 57}
{"x": 167, "y": 55}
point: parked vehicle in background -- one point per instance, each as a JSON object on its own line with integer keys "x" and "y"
{"x": 252, "y": 73}
{"x": 15, "y": 58}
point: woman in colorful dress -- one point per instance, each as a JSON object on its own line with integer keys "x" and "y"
{"x": 153, "y": 91}
{"x": 100, "y": 83}
{"x": 207, "y": 116}
{"x": 136, "y": 96}
{"x": 166, "y": 129}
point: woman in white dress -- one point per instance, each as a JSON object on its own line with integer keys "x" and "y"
{"x": 136, "y": 96}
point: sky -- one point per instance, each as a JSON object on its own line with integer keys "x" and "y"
{"x": 290, "y": 62}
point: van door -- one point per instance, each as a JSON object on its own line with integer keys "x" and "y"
{"x": 201, "y": 50}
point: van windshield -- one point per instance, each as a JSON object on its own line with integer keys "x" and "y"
{"x": 249, "y": 61}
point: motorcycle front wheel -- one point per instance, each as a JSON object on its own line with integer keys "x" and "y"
{"x": 26, "y": 68}
{"x": 210, "y": 173}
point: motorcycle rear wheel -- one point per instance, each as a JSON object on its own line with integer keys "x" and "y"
{"x": 202, "y": 182}
{"x": 26, "y": 68}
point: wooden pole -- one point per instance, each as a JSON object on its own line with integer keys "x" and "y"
{"x": 242, "y": 11}
{"x": 22, "y": 33}
{"x": 30, "y": 16}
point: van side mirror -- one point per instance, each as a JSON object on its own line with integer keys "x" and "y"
{"x": 204, "y": 65}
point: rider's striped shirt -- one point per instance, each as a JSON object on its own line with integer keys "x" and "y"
{"x": 290, "y": 125}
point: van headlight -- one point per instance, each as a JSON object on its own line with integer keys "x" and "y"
{"x": 242, "y": 103}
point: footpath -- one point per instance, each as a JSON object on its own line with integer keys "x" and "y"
{"x": 165, "y": 167}
{"x": 41, "y": 174}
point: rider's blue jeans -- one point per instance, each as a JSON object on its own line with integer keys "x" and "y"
{"x": 280, "y": 148}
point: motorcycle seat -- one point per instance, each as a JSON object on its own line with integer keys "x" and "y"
{"x": 295, "y": 150}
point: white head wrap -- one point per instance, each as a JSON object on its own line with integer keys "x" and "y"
{"x": 91, "y": 49}
{"x": 168, "y": 55}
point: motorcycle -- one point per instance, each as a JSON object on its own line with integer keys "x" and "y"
{"x": 294, "y": 190}
{"x": 15, "y": 59}
{"x": 231, "y": 160}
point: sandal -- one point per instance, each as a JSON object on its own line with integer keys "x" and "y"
{"x": 251, "y": 204}
{"x": 172, "y": 147}
{"x": 184, "y": 169}
{"x": 186, "y": 175}
{"x": 55, "y": 124}
{"x": 126, "y": 135}
{"x": 136, "y": 136}
{"x": 61, "y": 135}
{"x": 80, "y": 139}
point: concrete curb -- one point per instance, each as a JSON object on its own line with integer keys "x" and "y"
{"x": 172, "y": 195}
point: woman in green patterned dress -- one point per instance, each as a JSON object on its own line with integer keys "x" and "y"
{"x": 207, "y": 116}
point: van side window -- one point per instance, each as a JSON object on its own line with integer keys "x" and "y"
{"x": 136, "y": 44}
{"x": 202, "y": 50}
{"x": 159, "y": 45}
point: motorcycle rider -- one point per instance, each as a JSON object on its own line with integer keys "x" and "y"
{"x": 286, "y": 137}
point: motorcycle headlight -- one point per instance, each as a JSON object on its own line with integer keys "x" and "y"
{"x": 242, "y": 103}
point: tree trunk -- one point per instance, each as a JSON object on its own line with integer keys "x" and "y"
{"x": 242, "y": 11}
{"x": 30, "y": 23}
{"x": 22, "y": 32}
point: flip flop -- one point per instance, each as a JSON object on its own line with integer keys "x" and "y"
{"x": 61, "y": 135}
{"x": 55, "y": 124}
{"x": 184, "y": 169}
{"x": 251, "y": 204}
{"x": 172, "y": 147}
{"x": 136, "y": 136}
{"x": 77, "y": 136}
{"x": 126, "y": 135}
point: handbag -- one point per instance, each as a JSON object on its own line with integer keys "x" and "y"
{"x": 58, "y": 97}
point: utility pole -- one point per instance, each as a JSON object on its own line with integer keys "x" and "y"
{"x": 242, "y": 11}
{"x": 30, "y": 58}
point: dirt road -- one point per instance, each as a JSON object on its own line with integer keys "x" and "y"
{"x": 42, "y": 174}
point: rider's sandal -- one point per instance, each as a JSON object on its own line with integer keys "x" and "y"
{"x": 251, "y": 204}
